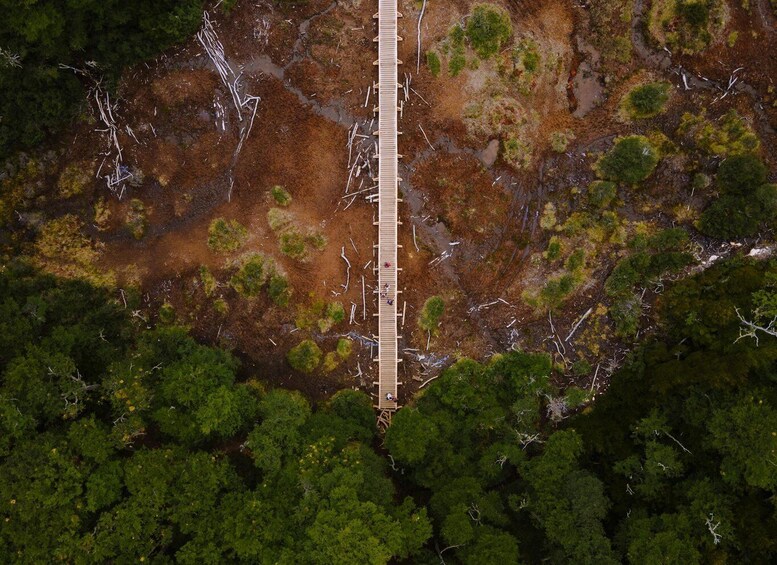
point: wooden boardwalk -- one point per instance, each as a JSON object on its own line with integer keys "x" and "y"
{"x": 387, "y": 203}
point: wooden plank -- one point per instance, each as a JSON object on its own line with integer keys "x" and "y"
{"x": 387, "y": 196}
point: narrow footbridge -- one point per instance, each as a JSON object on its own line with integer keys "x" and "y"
{"x": 388, "y": 199}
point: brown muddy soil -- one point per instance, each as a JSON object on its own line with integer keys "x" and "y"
{"x": 470, "y": 222}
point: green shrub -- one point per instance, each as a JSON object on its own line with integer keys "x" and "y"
{"x": 556, "y": 290}
{"x": 433, "y": 62}
{"x": 730, "y": 217}
{"x": 209, "y": 282}
{"x": 574, "y": 396}
{"x": 137, "y": 221}
{"x": 251, "y": 276}
{"x": 166, "y": 313}
{"x": 457, "y": 63}
{"x": 331, "y": 362}
{"x": 333, "y": 315}
{"x": 304, "y": 357}
{"x": 653, "y": 257}
{"x": 695, "y": 12}
{"x": 560, "y": 140}
{"x": 747, "y": 201}
{"x": 576, "y": 260}
{"x": 631, "y": 160}
{"x": 531, "y": 61}
{"x": 647, "y": 100}
{"x": 221, "y": 306}
{"x": 601, "y": 193}
{"x": 344, "y": 348}
{"x": 700, "y": 181}
{"x": 741, "y": 174}
{"x": 581, "y": 367}
{"x": 554, "y": 249}
{"x": 625, "y": 314}
{"x": 433, "y": 309}
{"x": 316, "y": 240}
{"x": 74, "y": 179}
{"x": 280, "y": 195}
{"x": 226, "y": 236}
{"x": 292, "y": 244}
{"x": 488, "y": 29}
{"x": 279, "y": 290}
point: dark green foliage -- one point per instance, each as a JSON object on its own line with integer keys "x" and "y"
{"x": 153, "y": 463}
{"x": 433, "y": 62}
{"x": 488, "y": 29}
{"x": 433, "y": 309}
{"x": 631, "y": 160}
{"x": 747, "y": 202}
{"x": 741, "y": 173}
{"x": 601, "y": 193}
{"x": 625, "y": 313}
{"x": 557, "y": 289}
{"x": 469, "y": 442}
{"x": 305, "y": 356}
{"x": 226, "y": 235}
{"x": 647, "y": 100}
{"x": 695, "y": 12}
{"x": 683, "y": 433}
{"x": 279, "y": 289}
{"x": 38, "y": 97}
{"x": 651, "y": 258}
{"x": 280, "y": 195}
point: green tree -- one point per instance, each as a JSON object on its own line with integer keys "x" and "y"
{"x": 631, "y": 160}
{"x": 488, "y": 29}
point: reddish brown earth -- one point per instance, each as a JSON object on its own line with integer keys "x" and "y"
{"x": 311, "y": 65}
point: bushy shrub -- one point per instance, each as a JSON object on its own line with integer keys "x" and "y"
{"x": 136, "y": 220}
{"x": 456, "y": 64}
{"x": 433, "y": 309}
{"x": 225, "y": 236}
{"x": 625, "y": 314}
{"x": 305, "y": 356}
{"x": 293, "y": 244}
{"x": 279, "y": 290}
{"x": 280, "y": 195}
{"x": 209, "y": 282}
{"x": 344, "y": 348}
{"x": 74, "y": 179}
{"x": 488, "y": 29}
{"x": 433, "y": 62}
{"x": 728, "y": 135}
{"x": 557, "y": 289}
{"x": 647, "y": 100}
{"x": 251, "y": 276}
{"x": 653, "y": 256}
{"x": 632, "y": 159}
{"x": 601, "y": 193}
{"x": 166, "y": 313}
{"x": 747, "y": 201}
{"x": 695, "y": 12}
{"x": 560, "y": 140}
{"x": 741, "y": 174}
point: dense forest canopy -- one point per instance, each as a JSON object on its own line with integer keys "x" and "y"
{"x": 37, "y": 95}
{"x": 120, "y": 442}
